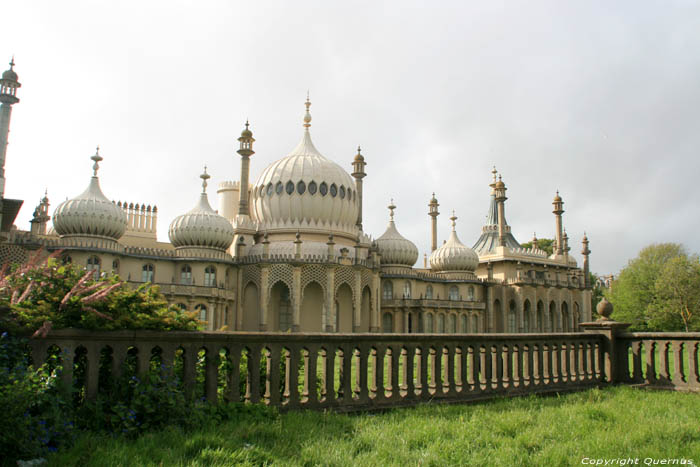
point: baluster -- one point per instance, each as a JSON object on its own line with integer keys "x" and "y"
{"x": 664, "y": 373}
{"x": 67, "y": 354}
{"x": 650, "y": 364}
{"x": 518, "y": 366}
{"x": 449, "y": 384}
{"x": 460, "y": 371}
{"x": 476, "y": 366}
{"x": 488, "y": 366}
{"x": 119, "y": 352}
{"x": 566, "y": 357}
{"x": 636, "y": 362}
{"x": 234, "y": 378}
{"x": 499, "y": 375}
{"x": 379, "y": 373}
{"x": 92, "y": 376}
{"x": 435, "y": 371}
{"x": 143, "y": 360}
{"x": 346, "y": 382}
{"x": 310, "y": 376}
{"x": 395, "y": 358}
{"x": 211, "y": 375}
{"x": 693, "y": 377}
{"x": 409, "y": 372}
{"x": 189, "y": 362}
{"x": 679, "y": 379}
{"x": 576, "y": 355}
{"x": 291, "y": 383}
{"x": 556, "y": 360}
{"x": 329, "y": 377}
{"x": 272, "y": 382}
{"x": 361, "y": 380}
{"x": 423, "y": 372}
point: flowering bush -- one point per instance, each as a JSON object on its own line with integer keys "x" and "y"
{"x": 44, "y": 294}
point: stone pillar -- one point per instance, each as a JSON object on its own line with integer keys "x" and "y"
{"x": 489, "y": 321}
{"x": 239, "y": 301}
{"x": 615, "y": 357}
{"x": 330, "y": 301}
{"x": 296, "y": 298}
{"x": 357, "y": 302}
{"x": 375, "y": 308}
{"x": 558, "y": 211}
{"x": 264, "y": 296}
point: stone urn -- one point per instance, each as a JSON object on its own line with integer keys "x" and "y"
{"x": 604, "y": 309}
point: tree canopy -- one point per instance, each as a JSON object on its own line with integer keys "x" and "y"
{"x": 544, "y": 244}
{"x": 659, "y": 290}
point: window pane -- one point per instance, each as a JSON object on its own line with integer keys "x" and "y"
{"x": 313, "y": 188}
{"x": 323, "y": 189}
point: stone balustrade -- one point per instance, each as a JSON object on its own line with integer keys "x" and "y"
{"x": 345, "y": 372}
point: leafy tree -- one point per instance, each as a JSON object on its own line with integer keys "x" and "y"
{"x": 677, "y": 295}
{"x": 545, "y": 244}
{"x": 634, "y": 292}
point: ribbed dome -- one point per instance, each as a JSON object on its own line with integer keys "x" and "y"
{"x": 305, "y": 190}
{"x": 394, "y": 248}
{"x": 453, "y": 255}
{"x": 90, "y": 214}
{"x": 201, "y": 226}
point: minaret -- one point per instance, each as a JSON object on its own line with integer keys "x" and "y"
{"x": 358, "y": 166}
{"x": 41, "y": 216}
{"x": 586, "y": 266}
{"x": 558, "y": 211}
{"x": 500, "y": 191}
{"x": 8, "y": 97}
{"x": 535, "y": 241}
{"x": 246, "y": 150}
{"x": 433, "y": 212}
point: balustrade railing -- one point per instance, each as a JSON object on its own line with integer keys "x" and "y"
{"x": 337, "y": 371}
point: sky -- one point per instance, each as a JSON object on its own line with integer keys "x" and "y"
{"x": 597, "y": 99}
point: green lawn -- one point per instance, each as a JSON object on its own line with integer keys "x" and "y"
{"x": 611, "y": 423}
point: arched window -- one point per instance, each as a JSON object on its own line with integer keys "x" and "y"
{"x": 342, "y": 192}
{"x": 186, "y": 275}
{"x": 147, "y": 272}
{"x": 181, "y": 306}
{"x": 270, "y": 189}
{"x": 115, "y": 266}
{"x": 323, "y": 188}
{"x": 301, "y": 187}
{"x": 93, "y": 264}
{"x": 429, "y": 323}
{"x": 453, "y": 293}
{"x": 552, "y": 317}
{"x": 313, "y": 188}
{"x": 463, "y": 324}
{"x": 387, "y": 291}
{"x": 387, "y": 323}
{"x": 334, "y": 190}
{"x": 210, "y": 276}
{"x": 441, "y": 324}
{"x": 285, "y": 311}
{"x": 475, "y": 323}
{"x": 201, "y": 311}
{"x": 565, "y": 317}
{"x": 406, "y": 289}
{"x": 526, "y": 317}
{"x": 540, "y": 317}
{"x": 470, "y": 293}
{"x": 429, "y": 292}
{"x": 577, "y": 317}
{"x": 279, "y": 188}
{"x": 452, "y": 324}
{"x": 289, "y": 187}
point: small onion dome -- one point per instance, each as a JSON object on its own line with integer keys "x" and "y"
{"x": 201, "y": 226}
{"x": 453, "y": 255}
{"x": 394, "y": 248}
{"x": 557, "y": 198}
{"x": 246, "y": 133}
{"x": 90, "y": 213}
{"x": 10, "y": 74}
{"x": 359, "y": 157}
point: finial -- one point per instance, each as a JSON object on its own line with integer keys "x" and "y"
{"x": 307, "y": 117}
{"x": 359, "y": 150}
{"x": 494, "y": 172}
{"x": 12, "y": 62}
{"x": 97, "y": 158}
{"x": 391, "y": 210}
{"x": 453, "y": 219}
{"x": 246, "y": 124}
{"x": 205, "y": 176}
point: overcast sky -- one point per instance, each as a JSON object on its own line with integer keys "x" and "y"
{"x": 598, "y": 99}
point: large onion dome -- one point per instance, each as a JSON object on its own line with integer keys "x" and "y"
{"x": 201, "y": 227}
{"x": 393, "y": 247}
{"x": 453, "y": 255}
{"x": 90, "y": 214}
{"x": 10, "y": 74}
{"x": 305, "y": 191}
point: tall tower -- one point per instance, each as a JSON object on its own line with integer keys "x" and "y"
{"x": 41, "y": 217}
{"x": 358, "y": 172}
{"x": 246, "y": 150}
{"x": 8, "y": 97}
{"x": 500, "y": 192}
{"x": 558, "y": 211}
{"x": 433, "y": 212}
{"x": 586, "y": 266}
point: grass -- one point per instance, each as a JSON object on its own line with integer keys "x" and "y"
{"x": 562, "y": 430}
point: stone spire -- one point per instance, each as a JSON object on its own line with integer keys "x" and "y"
{"x": 500, "y": 192}
{"x": 358, "y": 173}
{"x": 307, "y": 116}
{"x": 8, "y": 97}
{"x": 41, "y": 216}
{"x": 245, "y": 150}
{"x": 433, "y": 213}
{"x": 585, "y": 251}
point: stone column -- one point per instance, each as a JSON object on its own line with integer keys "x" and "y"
{"x": 296, "y": 298}
{"x": 375, "y": 308}
{"x": 357, "y": 302}
{"x": 264, "y": 296}
{"x": 330, "y": 301}
{"x": 488, "y": 319}
{"x": 239, "y": 301}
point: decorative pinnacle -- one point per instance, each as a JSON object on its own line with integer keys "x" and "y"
{"x": 97, "y": 158}
{"x": 12, "y": 63}
{"x": 494, "y": 172}
{"x": 307, "y": 117}
{"x": 205, "y": 176}
{"x": 453, "y": 219}
{"x": 391, "y": 210}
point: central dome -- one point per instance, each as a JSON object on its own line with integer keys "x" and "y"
{"x": 304, "y": 191}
